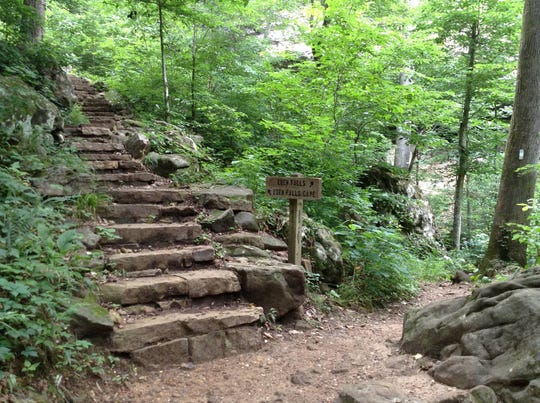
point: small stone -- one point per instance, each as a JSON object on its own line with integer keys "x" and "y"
{"x": 301, "y": 378}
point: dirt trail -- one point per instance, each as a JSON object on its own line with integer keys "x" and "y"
{"x": 298, "y": 364}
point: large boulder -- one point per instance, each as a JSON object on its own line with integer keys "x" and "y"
{"x": 326, "y": 256}
{"x": 490, "y": 338}
{"x": 271, "y": 284}
{"x": 22, "y": 109}
{"x": 166, "y": 164}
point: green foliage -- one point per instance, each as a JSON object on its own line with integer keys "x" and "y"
{"x": 86, "y": 205}
{"x": 42, "y": 266}
{"x": 75, "y": 116}
{"x": 381, "y": 266}
{"x": 529, "y": 235}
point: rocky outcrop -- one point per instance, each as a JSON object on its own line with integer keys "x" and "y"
{"x": 489, "y": 338}
{"x": 404, "y": 200}
{"x": 23, "y": 109}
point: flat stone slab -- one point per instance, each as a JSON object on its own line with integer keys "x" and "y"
{"x": 195, "y": 284}
{"x": 125, "y": 213}
{"x": 222, "y": 197}
{"x": 261, "y": 241}
{"x": 143, "y": 290}
{"x": 173, "y": 326}
{"x": 132, "y": 177}
{"x": 104, "y": 165}
{"x": 95, "y": 131}
{"x": 98, "y": 147}
{"x": 164, "y": 259}
{"x": 202, "y": 283}
{"x": 201, "y": 348}
{"x": 154, "y": 233}
{"x": 105, "y": 157}
{"x": 147, "y": 196}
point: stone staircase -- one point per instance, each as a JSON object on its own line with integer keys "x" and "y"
{"x": 173, "y": 299}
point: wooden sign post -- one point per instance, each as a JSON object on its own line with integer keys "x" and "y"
{"x": 296, "y": 189}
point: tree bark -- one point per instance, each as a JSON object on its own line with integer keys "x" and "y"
{"x": 463, "y": 141}
{"x": 522, "y": 148}
{"x": 193, "y": 73}
{"x": 33, "y": 23}
{"x": 166, "y": 97}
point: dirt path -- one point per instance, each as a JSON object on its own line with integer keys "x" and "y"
{"x": 298, "y": 364}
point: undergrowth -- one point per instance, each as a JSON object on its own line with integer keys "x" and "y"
{"x": 42, "y": 266}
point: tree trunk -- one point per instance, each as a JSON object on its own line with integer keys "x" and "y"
{"x": 522, "y": 148}
{"x": 166, "y": 98}
{"x": 32, "y": 24}
{"x": 404, "y": 150}
{"x": 193, "y": 73}
{"x": 463, "y": 141}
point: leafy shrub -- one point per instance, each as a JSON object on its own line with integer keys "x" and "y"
{"x": 42, "y": 266}
{"x": 529, "y": 235}
{"x": 380, "y": 264}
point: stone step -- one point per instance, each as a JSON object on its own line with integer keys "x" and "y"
{"x": 192, "y": 284}
{"x": 130, "y": 178}
{"x": 96, "y": 108}
{"x": 154, "y": 234}
{"x": 99, "y": 114}
{"x": 106, "y": 157}
{"x": 197, "y": 349}
{"x": 106, "y": 121}
{"x": 178, "y": 327}
{"x": 126, "y": 213}
{"x": 97, "y": 100}
{"x": 116, "y": 165}
{"x": 147, "y": 196}
{"x": 164, "y": 259}
{"x": 97, "y": 147}
{"x": 91, "y": 130}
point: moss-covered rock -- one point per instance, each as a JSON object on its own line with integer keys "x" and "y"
{"x": 22, "y": 109}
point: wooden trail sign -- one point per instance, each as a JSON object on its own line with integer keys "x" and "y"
{"x": 296, "y": 189}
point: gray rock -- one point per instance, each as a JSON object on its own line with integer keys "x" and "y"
{"x": 489, "y": 338}
{"x": 326, "y": 254}
{"x": 62, "y": 87}
{"x": 273, "y": 243}
{"x": 88, "y": 237}
{"x": 481, "y": 394}
{"x": 271, "y": 284}
{"x": 245, "y": 251}
{"x": 247, "y": 221}
{"x": 89, "y": 319}
{"x": 219, "y": 221}
{"x": 166, "y": 164}
{"x": 137, "y": 145}
{"x": 23, "y": 109}
{"x": 222, "y": 197}
{"x": 373, "y": 392}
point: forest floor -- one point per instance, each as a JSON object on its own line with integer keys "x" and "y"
{"x": 297, "y": 363}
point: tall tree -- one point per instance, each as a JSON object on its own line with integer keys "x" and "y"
{"x": 523, "y": 147}
{"x": 479, "y": 37}
{"x": 33, "y": 21}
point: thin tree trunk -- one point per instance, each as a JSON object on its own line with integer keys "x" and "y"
{"x": 522, "y": 148}
{"x": 463, "y": 141}
{"x": 193, "y": 73}
{"x": 166, "y": 98}
{"x": 32, "y": 24}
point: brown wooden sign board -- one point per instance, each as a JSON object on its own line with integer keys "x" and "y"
{"x": 294, "y": 187}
